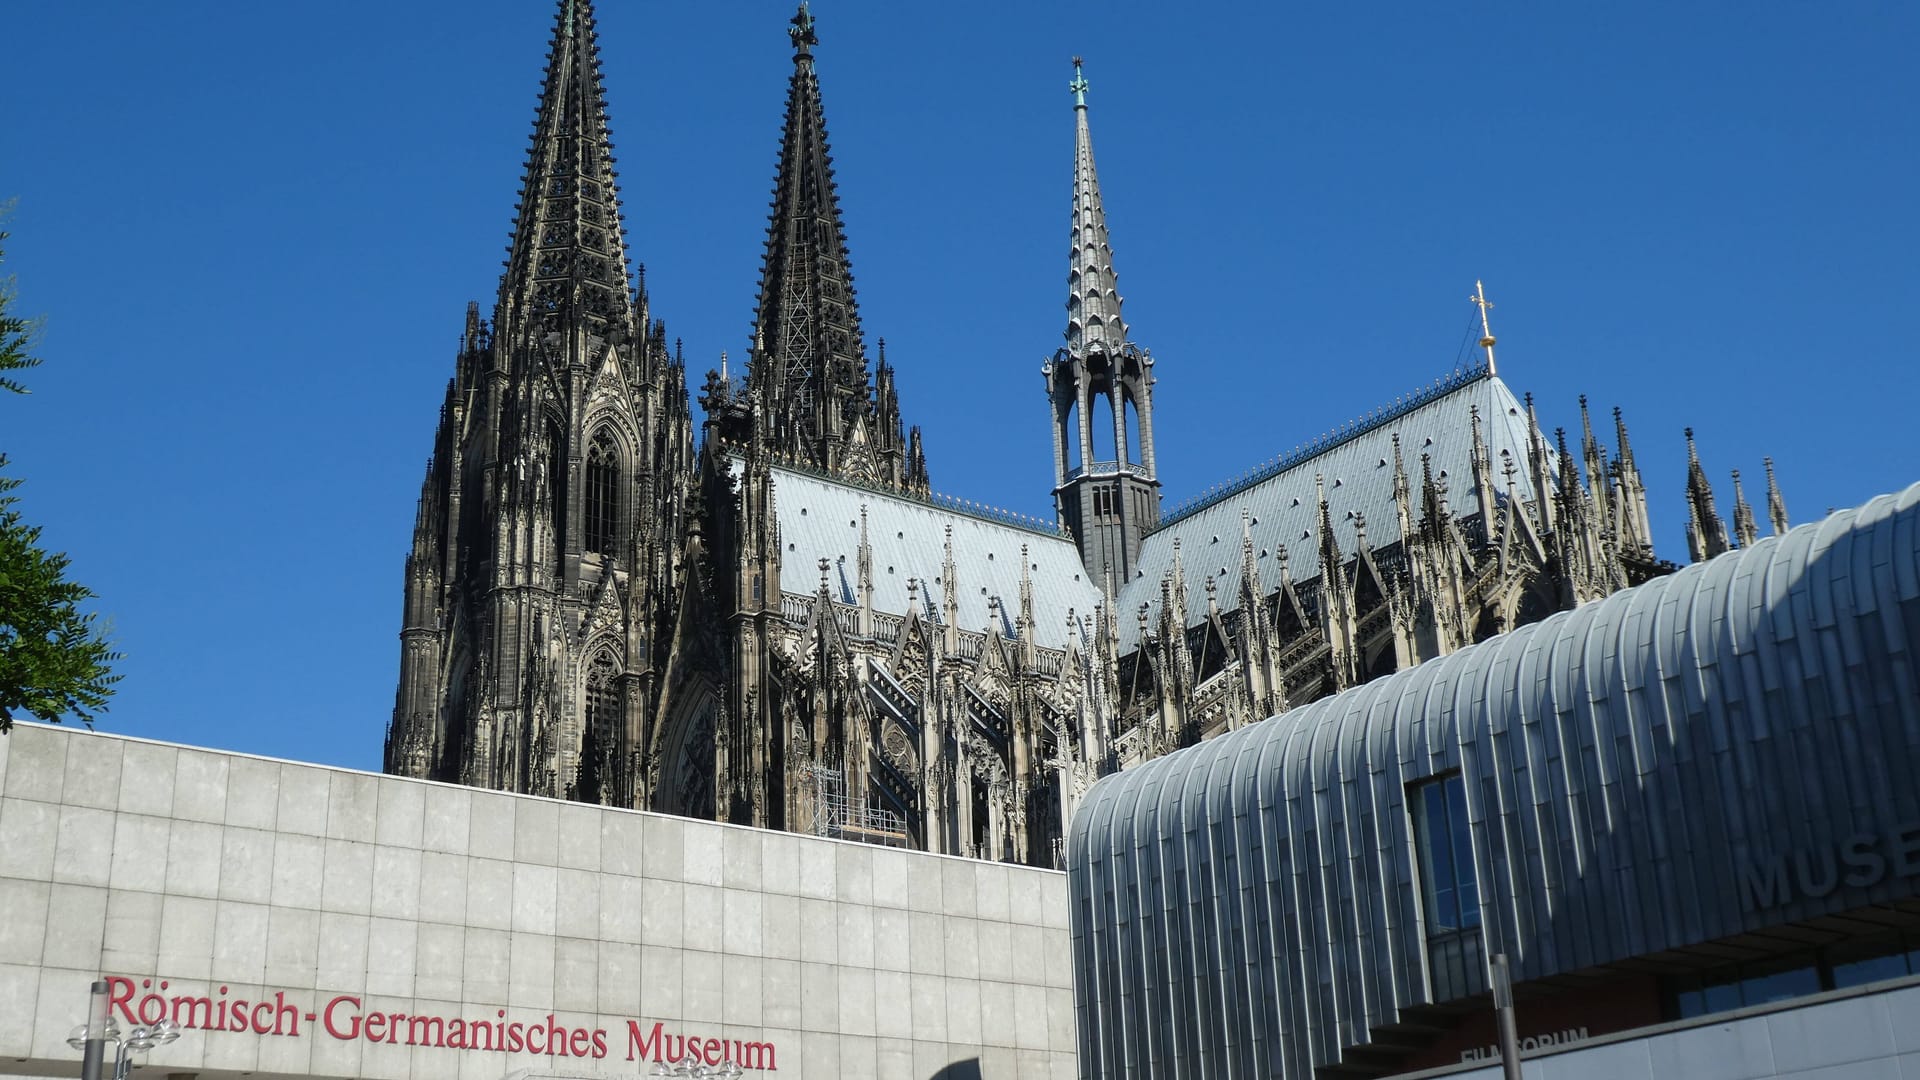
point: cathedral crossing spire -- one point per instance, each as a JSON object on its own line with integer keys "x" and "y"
{"x": 1108, "y": 502}
{"x": 1093, "y": 290}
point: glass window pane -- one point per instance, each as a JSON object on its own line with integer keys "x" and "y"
{"x": 1789, "y": 978}
{"x": 1720, "y": 997}
{"x": 1445, "y": 855}
{"x": 1855, "y": 963}
{"x": 1868, "y": 970}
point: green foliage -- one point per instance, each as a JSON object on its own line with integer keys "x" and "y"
{"x": 54, "y": 659}
{"x": 16, "y": 334}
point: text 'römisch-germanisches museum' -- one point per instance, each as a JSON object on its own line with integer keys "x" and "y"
{"x": 725, "y": 744}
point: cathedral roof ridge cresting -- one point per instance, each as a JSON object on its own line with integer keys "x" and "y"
{"x": 1331, "y": 440}
{"x": 938, "y": 499}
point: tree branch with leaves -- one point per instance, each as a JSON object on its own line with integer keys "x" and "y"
{"x": 55, "y": 659}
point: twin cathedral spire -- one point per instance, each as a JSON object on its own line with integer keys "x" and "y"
{"x": 547, "y": 538}
{"x": 807, "y": 375}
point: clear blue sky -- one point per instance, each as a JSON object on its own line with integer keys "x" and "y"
{"x": 252, "y": 230}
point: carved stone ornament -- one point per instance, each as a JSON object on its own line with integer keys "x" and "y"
{"x": 898, "y": 751}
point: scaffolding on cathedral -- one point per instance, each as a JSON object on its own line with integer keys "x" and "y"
{"x": 837, "y": 816}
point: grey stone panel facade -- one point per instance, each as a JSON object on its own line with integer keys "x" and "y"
{"x": 1710, "y": 753}
{"x": 236, "y": 878}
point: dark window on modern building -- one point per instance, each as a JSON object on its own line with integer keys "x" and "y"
{"x": 1443, "y": 847}
{"x": 1782, "y": 978}
{"x": 603, "y": 497}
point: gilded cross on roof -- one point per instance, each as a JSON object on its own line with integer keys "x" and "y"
{"x": 1479, "y": 299}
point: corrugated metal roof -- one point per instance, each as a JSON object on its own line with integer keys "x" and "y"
{"x": 1647, "y": 772}
{"x": 821, "y": 519}
{"x": 1359, "y": 481}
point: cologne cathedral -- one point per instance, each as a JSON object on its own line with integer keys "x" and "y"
{"x": 765, "y": 614}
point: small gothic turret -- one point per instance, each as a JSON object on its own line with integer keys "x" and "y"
{"x": 1744, "y": 529}
{"x": 1776, "y": 506}
{"x": 1107, "y": 502}
{"x": 1629, "y": 502}
{"x": 1706, "y": 533}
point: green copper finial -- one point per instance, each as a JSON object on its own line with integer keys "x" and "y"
{"x": 570, "y": 18}
{"x": 1078, "y": 86}
{"x": 801, "y": 30}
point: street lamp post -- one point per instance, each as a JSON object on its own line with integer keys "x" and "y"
{"x": 93, "y": 1044}
{"x": 1503, "y": 1006}
{"x": 693, "y": 1066}
{"x": 91, "y": 1038}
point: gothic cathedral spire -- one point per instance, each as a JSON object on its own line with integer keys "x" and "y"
{"x": 1107, "y": 502}
{"x": 567, "y": 265}
{"x": 543, "y": 556}
{"x": 809, "y": 360}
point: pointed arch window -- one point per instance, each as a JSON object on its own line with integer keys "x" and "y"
{"x": 597, "y": 778}
{"x": 603, "y": 496}
{"x": 604, "y": 715}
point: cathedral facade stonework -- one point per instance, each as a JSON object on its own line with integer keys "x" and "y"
{"x": 776, "y": 621}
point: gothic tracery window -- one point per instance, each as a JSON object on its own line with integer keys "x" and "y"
{"x": 603, "y": 496}
{"x": 603, "y": 699}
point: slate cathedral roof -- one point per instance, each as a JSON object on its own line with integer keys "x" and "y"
{"x": 820, "y": 518}
{"x": 1356, "y": 467}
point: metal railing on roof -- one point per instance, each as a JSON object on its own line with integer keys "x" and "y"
{"x": 1106, "y": 468}
{"x": 1345, "y": 433}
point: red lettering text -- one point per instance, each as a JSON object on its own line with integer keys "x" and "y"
{"x": 120, "y": 996}
{"x": 353, "y": 1024}
{"x": 642, "y": 1047}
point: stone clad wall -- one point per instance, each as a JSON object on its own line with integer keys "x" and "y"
{"x": 237, "y": 879}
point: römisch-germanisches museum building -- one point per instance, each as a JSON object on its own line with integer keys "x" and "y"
{"x": 1687, "y": 813}
{"x": 300, "y": 921}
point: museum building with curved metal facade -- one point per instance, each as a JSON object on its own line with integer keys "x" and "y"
{"x": 1693, "y": 790}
